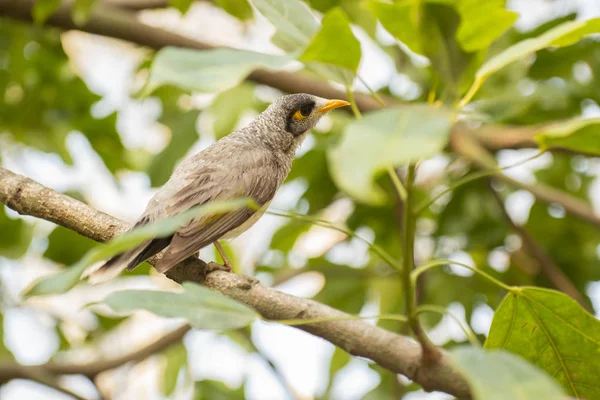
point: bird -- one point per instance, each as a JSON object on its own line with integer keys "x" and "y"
{"x": 252, "y": 162}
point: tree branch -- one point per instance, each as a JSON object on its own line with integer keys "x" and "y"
{"x": 547, "y": 266}
{"x": 394, "y": 352}
{"x": 462, "y": 142}
{"x": 10, "y": 371}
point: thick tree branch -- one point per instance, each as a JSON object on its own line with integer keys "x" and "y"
{"x": 394, "y": 352}
{"x": 548, "y": 267}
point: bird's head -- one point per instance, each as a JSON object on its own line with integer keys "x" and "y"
{"x": 300, "y": 112}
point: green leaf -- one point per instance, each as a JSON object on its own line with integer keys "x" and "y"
{"x": 201, "y": 307}
{"x": 15, "y": 235}
{"x": 392, "y": 137}
{"x": 206, "y": 70}
{"x": 580, "y": 135}
{"x": 43, "y": 9}
{"x": 293, "y": 20}
{"x": 182, "y": 5}
{"x": 215, "y": 390}
{"x": 228, "y": 107}
{"x": 401, "y": 20}
{"x": 66, "y": 246}
{"x": 552, "y": 331}
{"x": 500, "y": 375}
{"x": 68, "y": 278}
{"x": 238, "y": 8}
{"x": 482, "y": 22}
{"x": 563, "y": 35}
{"x": 82, "y": 9}
{"x": 334, "y": 44}
{"x": 176, "y": 360}
{"x": 183, "y": 136}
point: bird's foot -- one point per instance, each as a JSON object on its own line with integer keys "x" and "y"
{"x": 213, "y": 266}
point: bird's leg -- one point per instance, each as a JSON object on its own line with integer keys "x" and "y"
{"x": 226, "y": 261}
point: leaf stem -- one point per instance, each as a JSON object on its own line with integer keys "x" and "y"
{"x": 352, "y": 101}
{"x": 414, "y": 275}
{"x": 472, "y": 91}
{"x": 374, "y": 94}
{"x": 409, "y": 219}
{"x": 444, "y": 311}
{"x": 385, "y": 256}
{"x": 397, "y": 183}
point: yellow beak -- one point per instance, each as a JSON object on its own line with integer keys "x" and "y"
{"x": 331, "y": 104}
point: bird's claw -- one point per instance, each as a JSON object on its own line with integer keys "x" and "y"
{"x": 213, "y": 266}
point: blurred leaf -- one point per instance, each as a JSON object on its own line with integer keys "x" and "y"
{"x": 66, "y": 246}
{"x": 206, "y": 70}
{"x": 67, "y": 279}
{"x": 388, "y": 388}
{"x": 392, "y": 137}
{"x": 335, "y": 45}
{"x": 107, "y": 323}
{"x": 228, "y": 107}
{"x": 563, "y": 35}
{"x": 182, "y": 5}
{"x": 238, "y": 8}
{"x": 345, "y": 287}
{"x": 5, "y": 354}
{"x": 401, "y": 20}
{"x": 582, "y": 135}
{"x": 183, "y": 136}
{"x": 293, "y": 21}
{"x": 482, "y": 22}
{"x": 500, "y": 375}
{"x": 201, "y": 307}
{"x": 43, "y": 9}
{"x": 15, "y": 235}
{"x": 176, "y": 360}
{"x": 213, "y": 390}
{"x": 552, "y": 331}
{"x": 82, "y": 10}
{"x": 391, "y": 300}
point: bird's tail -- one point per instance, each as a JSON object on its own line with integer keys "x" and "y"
{"x": 128, "y": 259}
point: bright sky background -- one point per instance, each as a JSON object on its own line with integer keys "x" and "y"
{"x": 108, "y": 67}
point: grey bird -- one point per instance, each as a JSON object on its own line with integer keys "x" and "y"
{"x": 252, "y": 162}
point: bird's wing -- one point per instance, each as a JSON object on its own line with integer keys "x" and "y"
{"x": 200, "y": 179}
{"x": 257, "y": 178}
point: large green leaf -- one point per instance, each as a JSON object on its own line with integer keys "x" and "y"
{"x": 201, "y": 307}
{"x": 293, "y": 20}
{"x": 15, "y": 235}
{"x": 551, "y": 330}
{"x": 581, "y": 135}
{"x": 392, "y": 137}
{"x": 335, "y": 45}
{"x": 215, "y": 390}
{"x": 207, "y": 70}
{"x": 565, "y": 34}
{"x": 68, "y": 278}
{"x": 500, "y": 375}
{"x": 401, "y": 20}
{"x": 482, "y": 22}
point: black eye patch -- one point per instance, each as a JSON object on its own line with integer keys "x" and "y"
{"x": 306, "y": 109}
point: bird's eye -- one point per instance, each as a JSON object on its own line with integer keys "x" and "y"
{"x": 303, "y": 112}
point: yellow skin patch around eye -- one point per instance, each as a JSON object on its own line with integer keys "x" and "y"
{"x": 298, "y": 116}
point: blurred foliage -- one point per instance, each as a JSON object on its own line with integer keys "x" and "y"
{"x": 552, "y": 77}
